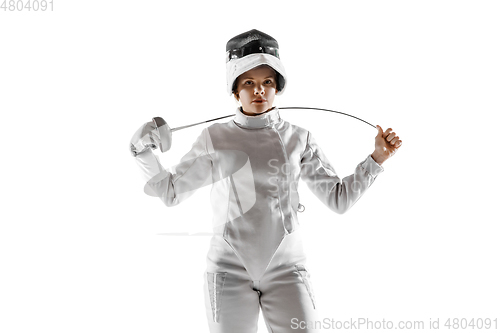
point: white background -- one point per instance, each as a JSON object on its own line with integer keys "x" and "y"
{"x": 82, "y": 248}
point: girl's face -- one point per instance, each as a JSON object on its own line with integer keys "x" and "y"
{"x": 256, "y": 89}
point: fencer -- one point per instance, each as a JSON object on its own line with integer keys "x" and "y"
{"x": 253, "y": 163}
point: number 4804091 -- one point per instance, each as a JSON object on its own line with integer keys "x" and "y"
{"x": 474, "y": 323}
{"x": 27, "y": 5}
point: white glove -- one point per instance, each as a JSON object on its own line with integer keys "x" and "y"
{"x": 153, "y": 134}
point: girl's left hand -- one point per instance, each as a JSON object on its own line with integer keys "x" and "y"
{"x": 386, "y": 145}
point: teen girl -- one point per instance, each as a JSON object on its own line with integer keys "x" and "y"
{"x": 254, "y": 163}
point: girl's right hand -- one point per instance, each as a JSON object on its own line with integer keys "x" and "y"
{"x": 153, "y": 134}
{"x": 386, "y": 145}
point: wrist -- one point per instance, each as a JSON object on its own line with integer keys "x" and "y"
{"x": 378, "y": 158}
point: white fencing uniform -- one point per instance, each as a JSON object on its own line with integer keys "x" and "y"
{"x": 255, "y": 258}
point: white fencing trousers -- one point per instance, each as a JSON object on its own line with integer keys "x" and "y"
{"x": 284, "y": 292}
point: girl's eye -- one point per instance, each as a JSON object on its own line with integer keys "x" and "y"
{"x": 268, "y": 82}
{"x": 248, "y": 82}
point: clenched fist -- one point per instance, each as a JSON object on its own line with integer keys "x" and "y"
{"x": 153, "y": 134}
{"x": 386, "y": 145}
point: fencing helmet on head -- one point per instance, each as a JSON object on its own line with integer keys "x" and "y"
{"x": 249, "y": 50}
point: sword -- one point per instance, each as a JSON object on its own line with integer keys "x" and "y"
{"x": 284, "y": 108}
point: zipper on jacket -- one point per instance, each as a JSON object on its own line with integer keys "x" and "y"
{"x": 287, "y": 182}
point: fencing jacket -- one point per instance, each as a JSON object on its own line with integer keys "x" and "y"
{"x": 254, "y": 164}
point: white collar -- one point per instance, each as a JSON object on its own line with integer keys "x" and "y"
{"x": 263, "y": 120}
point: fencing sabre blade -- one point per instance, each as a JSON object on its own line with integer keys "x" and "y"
{"x": 284, "y": 108}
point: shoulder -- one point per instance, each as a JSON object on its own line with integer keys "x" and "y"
{"x": 296, "y": 130}
{"x": 221, "y": 131}
{"x": 220, "y": 127}
{"x": 299, "y": 129}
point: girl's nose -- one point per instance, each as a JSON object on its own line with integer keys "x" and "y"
{"x": 259, "y": 90}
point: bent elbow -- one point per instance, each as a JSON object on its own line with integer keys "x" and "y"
{"x": 338, "y": 201}
{"x": 340, "y": 209}
{"x": 169, "y": 201}
{"x": 342, "y": 212}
